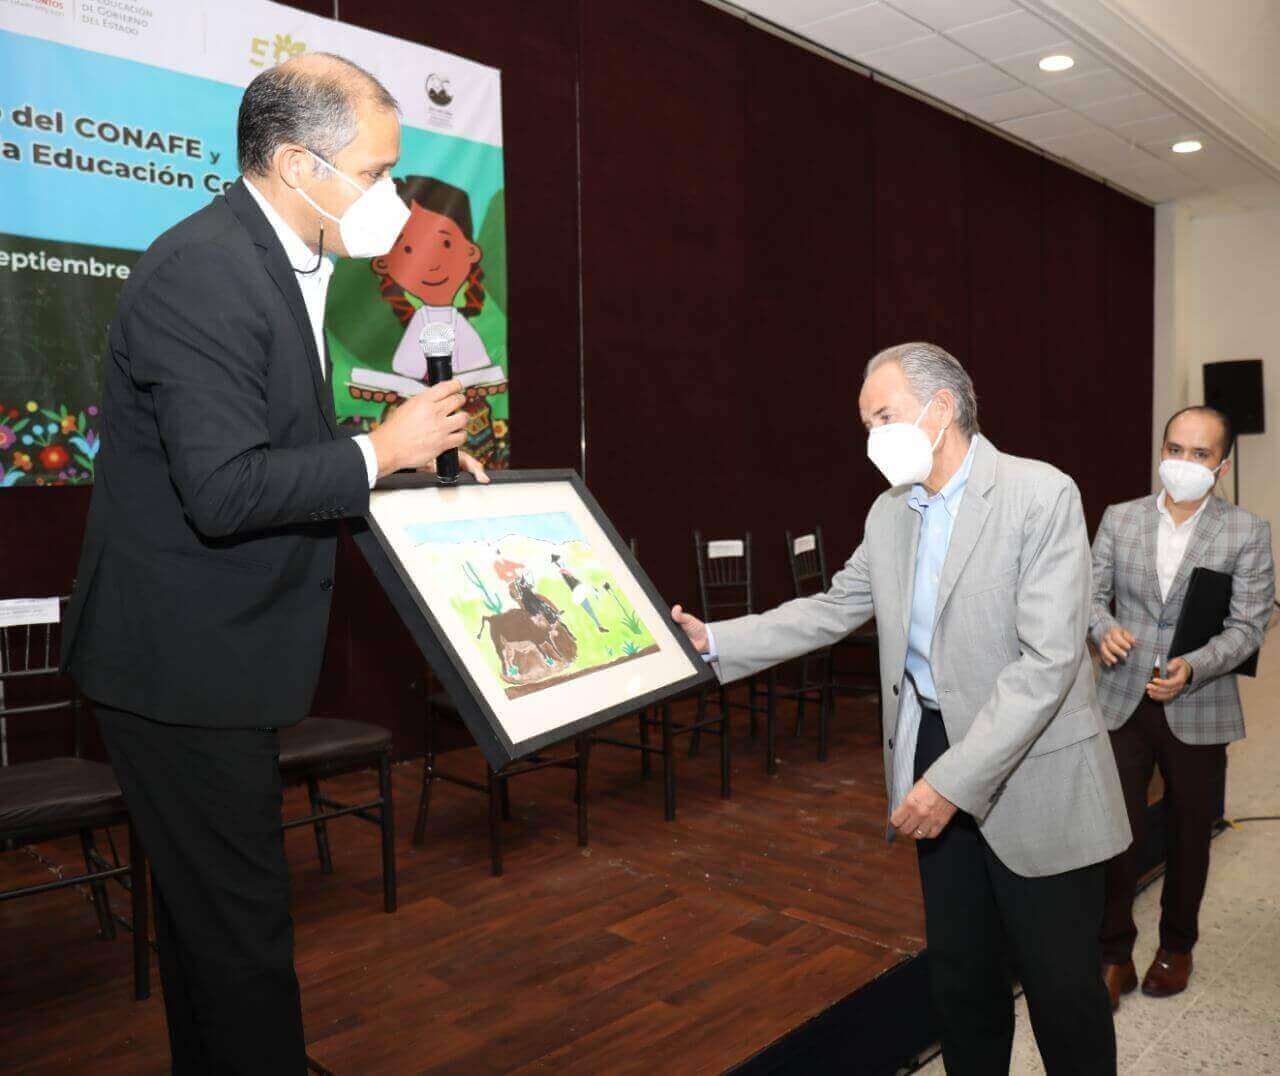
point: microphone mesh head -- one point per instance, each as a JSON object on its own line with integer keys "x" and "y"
{"x": 436, "y": 339}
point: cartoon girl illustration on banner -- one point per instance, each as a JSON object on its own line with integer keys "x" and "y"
{"x": 434, "y": 259}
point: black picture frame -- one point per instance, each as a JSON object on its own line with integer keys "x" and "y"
{"x": 440, "y": 653}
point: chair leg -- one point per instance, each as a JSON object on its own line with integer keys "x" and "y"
{"x": 825, "y": 700}
{"x": 646, "y": 765}
{"x": 141, "y": 931}
{"x": 428, "y": 776}
{"x": 695, "y": 740}
{"x": 800, "y": 700}
{"x": 828, "y": 701}
{"x": 584, "y": 759}
{"x": 321, "y": 827}
{"x": 424, "y": 804}
{"x": 771, "y": 724}
{"x": 725, "y": 741}
{"x": 752, "y": 691}
{"x": 669, "y": 763}
{"x": 387, "y": 820}
{"x": 101, "y": 902}
{"x": 495, "y": 824}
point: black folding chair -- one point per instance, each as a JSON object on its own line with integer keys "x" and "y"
{"x": 322, "y": 747}
{"x": 726, "y": 588}
{"x": 809, "y": 575}
{"x": 816, "y": 670}
{"x": 497, "y": 782}
{"x": 659, "y": 720}
{"x": 69, "y": 796}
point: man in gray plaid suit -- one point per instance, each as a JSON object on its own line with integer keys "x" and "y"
{"x": 1179, "y": 711}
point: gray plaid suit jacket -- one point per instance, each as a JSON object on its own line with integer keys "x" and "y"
{"x": 1227, "y": 539}
{"x": 1029, "y": 757}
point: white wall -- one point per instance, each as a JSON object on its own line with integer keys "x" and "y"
{"x": 1218, "y": 297}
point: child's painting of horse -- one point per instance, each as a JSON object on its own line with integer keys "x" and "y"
{"x": 532, "y": 597}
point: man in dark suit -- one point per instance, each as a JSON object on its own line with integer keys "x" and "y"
{"x": 199, "y": 616}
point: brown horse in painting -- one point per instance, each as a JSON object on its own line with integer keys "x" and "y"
{"x": 528, "y": 648}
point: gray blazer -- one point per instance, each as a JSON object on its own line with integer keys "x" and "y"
{"x": 1029, "y": 756}
{"x": 1227, "y": 539}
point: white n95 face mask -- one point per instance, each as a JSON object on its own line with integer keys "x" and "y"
{"x": 1186, "y": 480}
{"x": 902, "y": 450}
{"x": 371, "y": 223}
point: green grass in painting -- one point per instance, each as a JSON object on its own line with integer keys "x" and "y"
{"x": 473, "y": 599}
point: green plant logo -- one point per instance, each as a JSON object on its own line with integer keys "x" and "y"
{"x": 264, "y": 51}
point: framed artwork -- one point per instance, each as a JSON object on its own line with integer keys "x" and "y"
{"x": 527, "y": 604}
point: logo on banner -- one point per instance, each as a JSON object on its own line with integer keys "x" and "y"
{"x": 439, "y": 90}
{"x": 264, "y": 51}
{"x": 53, "y": 7}
{"x": 440, "y": 96}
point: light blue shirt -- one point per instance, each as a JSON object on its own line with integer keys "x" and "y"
{"x": 938, "y": 517}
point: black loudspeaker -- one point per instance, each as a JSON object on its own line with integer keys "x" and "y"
{"x": 1235, "y": 388}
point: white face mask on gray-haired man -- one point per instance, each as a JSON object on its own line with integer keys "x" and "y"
{"x": 911, "y": 440}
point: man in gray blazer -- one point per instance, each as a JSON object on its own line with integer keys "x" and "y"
{"x": 976, "y": 567}
{"x": 1179, "y": 711}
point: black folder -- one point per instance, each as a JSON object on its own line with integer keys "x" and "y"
{"x": 1204, "y": 614}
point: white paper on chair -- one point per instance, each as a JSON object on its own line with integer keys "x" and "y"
{"x": 14, "y": 611}
{"x": 730, "y": 547}
{"x": 805, "y": 544}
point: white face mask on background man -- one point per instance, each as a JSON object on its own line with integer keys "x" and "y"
{"x": 902, "y": 450}
{"x": 370, "y": 224}
{"x": 1186, "y": 480}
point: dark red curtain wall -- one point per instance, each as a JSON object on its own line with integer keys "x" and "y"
{"x": 754, "y": 223}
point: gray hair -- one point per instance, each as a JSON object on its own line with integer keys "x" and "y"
{"x": 929, "y": 369}
{"x": 310, "y": 104}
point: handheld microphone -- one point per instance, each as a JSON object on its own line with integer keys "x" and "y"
{"x": 436, "y": 341}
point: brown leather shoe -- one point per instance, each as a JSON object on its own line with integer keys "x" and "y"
{"x": 1167, "y": 975}
{"x": 1120, "y": 979}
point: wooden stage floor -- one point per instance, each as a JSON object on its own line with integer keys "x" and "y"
{"x": 681, "y": 947}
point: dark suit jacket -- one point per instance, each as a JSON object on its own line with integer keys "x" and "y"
{"x": 202, "y": 596}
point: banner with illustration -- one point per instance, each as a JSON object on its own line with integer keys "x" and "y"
{"x": 118, "y": 119}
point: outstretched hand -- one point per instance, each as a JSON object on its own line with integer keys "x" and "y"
{"x": 694, "y": 628}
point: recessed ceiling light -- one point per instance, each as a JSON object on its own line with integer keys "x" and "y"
{"x": 1057, "y": 62}
{"x": 1188, "y": 146}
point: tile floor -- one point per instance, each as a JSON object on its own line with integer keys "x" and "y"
{"x": 1228, "y": 1021}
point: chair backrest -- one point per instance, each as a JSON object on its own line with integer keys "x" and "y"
{"x": 808, "y": 562}
{"x": 29, "y": 652}
{"x": 724, "y": 576}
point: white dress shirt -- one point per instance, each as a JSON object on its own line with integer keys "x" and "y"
{"x": 1171, "y": 543}
{"x": 315, "y": 289}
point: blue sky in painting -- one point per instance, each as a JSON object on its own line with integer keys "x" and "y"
{"x": 545, "y": 526}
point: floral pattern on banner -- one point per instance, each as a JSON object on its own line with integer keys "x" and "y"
{"x": 43, "y": 447}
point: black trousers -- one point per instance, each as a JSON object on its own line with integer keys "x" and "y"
{"x": 206, "y": 804}
{"x": 986, "y": 925}
{"x": 1193, "y": 778}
